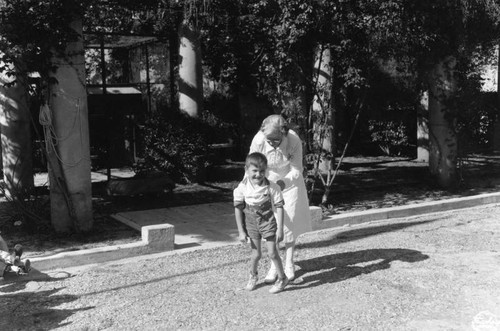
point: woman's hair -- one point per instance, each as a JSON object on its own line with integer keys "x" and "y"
{"x": 274, "y": 124}
{"x": 256, "y": 159}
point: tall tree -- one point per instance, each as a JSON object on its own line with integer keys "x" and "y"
{"x": 68, "y": 134}
{"x": 450, "y": 34}
{"x": 51, "y": 45}
{"x": 190, "y": 82}
{"x": 16, "y": 133}
{"x": 442, "y": 134}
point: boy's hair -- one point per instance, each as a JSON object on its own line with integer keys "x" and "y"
{"x": 256, "y": 159}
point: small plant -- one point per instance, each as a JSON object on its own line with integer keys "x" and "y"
{"x": 391, "y": 137}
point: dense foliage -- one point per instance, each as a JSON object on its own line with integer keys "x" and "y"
{"x": 269, "y": 47}
{"x": 176, "y": 146}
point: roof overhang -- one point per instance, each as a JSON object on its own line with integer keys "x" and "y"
{"x": 99, "y": 40}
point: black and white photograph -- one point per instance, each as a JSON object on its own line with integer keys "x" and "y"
{"x": 250, "y": 165}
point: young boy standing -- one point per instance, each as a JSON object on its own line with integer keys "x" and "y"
{"x": 254, "y": 199}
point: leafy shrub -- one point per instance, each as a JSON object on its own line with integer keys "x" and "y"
{"x": 391, "y": 137}
{"x": 220, "y": 131}
{"x": 220, "y": 116}
{"x": 177, "y": 146}
{"x": 475, "y": 122}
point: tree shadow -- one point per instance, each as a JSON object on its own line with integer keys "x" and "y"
{"x": 360, "y": 233}
{"x": 36, "y": 310}
{"x": 11, "y": 282}
{"x": 25, "y": 307}
{"x": 338, "y": 267}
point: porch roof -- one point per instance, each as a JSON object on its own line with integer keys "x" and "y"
{"x": 113, "y": 40}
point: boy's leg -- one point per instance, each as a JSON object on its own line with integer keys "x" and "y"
{"x": 256, "y": 255}
{"x": 254, "y": 262}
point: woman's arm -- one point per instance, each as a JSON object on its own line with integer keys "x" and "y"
{"x": 294, "y": 152}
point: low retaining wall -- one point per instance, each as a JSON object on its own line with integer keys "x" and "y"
{"x": 404, "y": 211}
{"x": 155, "y": 238}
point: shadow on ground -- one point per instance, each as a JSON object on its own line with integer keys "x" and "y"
{"x": 11, "y": 282}
{"x": 25, "y": 307}
{"x": 336, "y": 237}
{"x": 338, "y": 267}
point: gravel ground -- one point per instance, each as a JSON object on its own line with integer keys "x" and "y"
{"x": 435, "y": 272}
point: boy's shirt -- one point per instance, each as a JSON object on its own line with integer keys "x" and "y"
{"x": 247, "y": 193}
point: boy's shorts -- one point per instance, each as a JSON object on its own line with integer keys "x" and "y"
{"x": 260, "y": 222}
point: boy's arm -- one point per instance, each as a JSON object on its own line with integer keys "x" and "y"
{"x": 240, "y": 217}
{"x": 279, "y": 221}
{"x": 239, "y": 205}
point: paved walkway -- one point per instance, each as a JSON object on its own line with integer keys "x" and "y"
{"x": 206, "y": 225}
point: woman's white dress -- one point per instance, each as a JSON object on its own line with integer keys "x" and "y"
{"x": 285, "y": 163}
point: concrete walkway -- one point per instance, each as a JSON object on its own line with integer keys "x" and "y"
{"x": 206, "y": 225}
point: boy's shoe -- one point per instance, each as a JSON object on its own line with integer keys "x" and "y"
{"x": 252, "y": 282}
{"x": 279, "y": 286}
{"x": 271, "y": 275}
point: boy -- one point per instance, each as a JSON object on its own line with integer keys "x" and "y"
{"x": 12, "y": 261}
{"x": 254, "y": 199}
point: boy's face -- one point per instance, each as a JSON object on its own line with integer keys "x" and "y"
{"x": 256, "y": 174}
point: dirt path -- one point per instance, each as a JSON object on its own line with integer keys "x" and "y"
{"x": 435, "y": 272}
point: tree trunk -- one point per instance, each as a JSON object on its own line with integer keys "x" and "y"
{"x": 190, "y": 70}
{"x": 16, "y": 136}
{"x": 68, "y": 150}
{"x": 442, "y": 135}
{"x": 322, "y": 105}
{"x": 423, "y": 128}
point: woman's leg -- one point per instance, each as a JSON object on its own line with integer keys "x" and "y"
{"x": 289, "y": 260}
{"x": 272, "y": 274}
{"x": 274, "y": 255}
